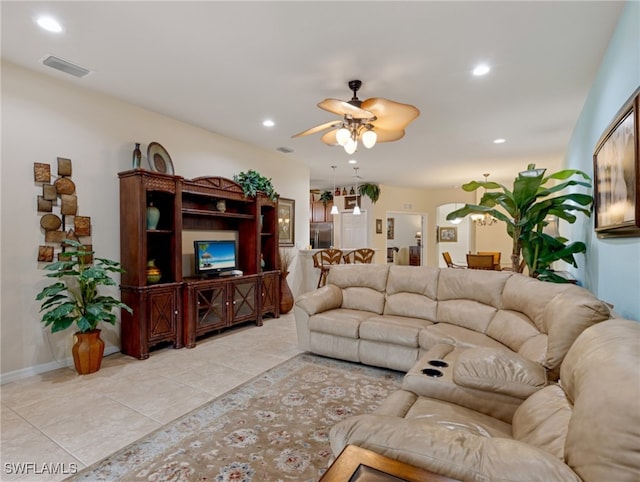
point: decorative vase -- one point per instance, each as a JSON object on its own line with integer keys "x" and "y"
{"x": 221, "y": 205}
{"x": 286, "y": 297}
{"x": 344, "y": 191}
{"x": 87, "y": 352}
{"x": 137, "y": 157}
{"x": 153, "y": 216}
{"x": 337, "y": 192}
{"x": 352, "y": 192}
{"x": 153, "y": 272}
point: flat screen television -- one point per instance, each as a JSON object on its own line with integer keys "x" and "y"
{"x": 213, "y": 257}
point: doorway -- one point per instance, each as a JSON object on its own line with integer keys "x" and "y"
{"x": 406, "y": 238}
{"x": 457, "y": 238}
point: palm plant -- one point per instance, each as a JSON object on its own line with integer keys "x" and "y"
{"x": 74, "y": 297}
{"x": 525, "y": 210}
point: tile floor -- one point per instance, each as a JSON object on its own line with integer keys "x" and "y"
{"x": 59, "y": 420}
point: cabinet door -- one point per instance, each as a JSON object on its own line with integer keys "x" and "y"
{"x": 244, "y": 300}
{"x": 269, "y": 293}
{"x": 211, "y": 308}
{"x": 317, "y": 212}
{"x": 162, "y": 315}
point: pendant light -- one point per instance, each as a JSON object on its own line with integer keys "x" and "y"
{"x": 334, "y": 208}
{"x": 356, "y": 209}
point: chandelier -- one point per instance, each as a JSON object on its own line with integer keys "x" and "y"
{"x": 485, "y": 219}
{"x": 353, "y": 129}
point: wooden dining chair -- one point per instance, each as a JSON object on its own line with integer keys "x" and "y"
{"x": 496, "y": 258}
{"x": 449, "y": 261}
{"x": 359, "y": 256}
{"x": 323, "y": 260}
{"x": 480, "y": 261}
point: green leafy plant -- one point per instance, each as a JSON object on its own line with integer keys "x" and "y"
{"x": 252, "y": 182}
{"x": 74, "y": 298}
{"x": 326, "y": 196}
{"x": 525, "y": 210}
{"x": 372, "y": 191}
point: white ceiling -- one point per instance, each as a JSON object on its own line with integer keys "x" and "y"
{"x": 226, "y": 66}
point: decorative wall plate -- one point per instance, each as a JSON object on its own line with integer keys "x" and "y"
{"x": 159, "y": 159}
{"x": 50, "y": 222}
{"x": 64, "y": 185}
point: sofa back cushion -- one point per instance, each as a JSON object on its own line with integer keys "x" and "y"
{"x": 477, "y": 285}
{"x": 363, "y": 285}
{"x": 412, "y": 292}
{"x": 601, "y": 377}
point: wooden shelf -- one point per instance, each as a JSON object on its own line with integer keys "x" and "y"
{"x": 225, "y": 214}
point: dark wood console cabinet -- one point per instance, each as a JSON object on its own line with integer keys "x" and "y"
{"x": 178, "y": 310}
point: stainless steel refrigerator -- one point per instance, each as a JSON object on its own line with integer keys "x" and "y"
{"x": 321, "y": 235}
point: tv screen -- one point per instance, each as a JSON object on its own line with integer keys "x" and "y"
{"x": 213, "y": 257}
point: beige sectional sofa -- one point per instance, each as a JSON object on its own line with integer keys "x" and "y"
{"x": 500, "y": 335}
{"x": 584, "y": 428}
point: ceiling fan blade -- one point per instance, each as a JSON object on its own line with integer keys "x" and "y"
{"x": 330, "y": 138}
{"x": 343, "y": 108}
{"x": 385, "y": 135}
{"x": 390, "y": 115}
{"x": 319, "y": 128}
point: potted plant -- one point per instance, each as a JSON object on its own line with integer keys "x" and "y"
{"x": 252, "y": 182}
{"x": 525, "y": 210}
{"x": 326, "y": 196}
{"x": 74, "y": 298}
{"x": 372, "y": 191}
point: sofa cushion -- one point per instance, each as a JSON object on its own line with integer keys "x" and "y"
{"x": 543, "y": 419}
{"x": 397, "y": 330}
{"x": 411, "y": 305}
{"x": 340, "y": 322}
{"x": 363, "y": 298}
{"x": 454, "y": 335}
{"x": 472, "y": 284}
{"x": 412, "y": 279}
{"x": 322, "y": 299}
{"x": 511, "y": 328}
{"x": 498, "y": 370}
{"x": 372, "y": 276}
{"x": 535, "y": 349}
{"x": 565, "y": 317}
{"x": 466, "y": 313}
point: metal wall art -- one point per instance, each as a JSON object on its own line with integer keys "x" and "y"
{"x": 58, "y": 207}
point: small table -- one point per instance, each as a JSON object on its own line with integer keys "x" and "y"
{"x": 355, "y": 464}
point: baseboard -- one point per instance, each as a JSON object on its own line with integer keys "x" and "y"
{"x": 45, "y": 367}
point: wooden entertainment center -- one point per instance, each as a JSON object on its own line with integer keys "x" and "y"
{"x": 179, "y": 308}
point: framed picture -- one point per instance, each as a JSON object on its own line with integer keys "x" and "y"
{"x": 351, "y": 201}
{"x": 391, "y": 224}
{"x": 448, "y": 234}
{"x": 616, "y": 175}
{"x": 378, "y": 226}
{"x": 286, "y": 221}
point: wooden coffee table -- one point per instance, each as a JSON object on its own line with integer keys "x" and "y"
{"x": 355, "y": 464}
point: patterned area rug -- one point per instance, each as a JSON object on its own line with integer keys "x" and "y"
{"x": 272, "y": 428}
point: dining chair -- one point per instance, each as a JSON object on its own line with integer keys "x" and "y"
{"x": 359, "y": 256}
{"x": 496, "y": 258}
{"x": 480, "y": 261}
{"x": 323, "y": 259}
{"x": 449, "y": 261}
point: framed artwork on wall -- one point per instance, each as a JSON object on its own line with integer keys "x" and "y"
{"x": 350, "y": 202}
{"x": 378, "y": 226}
{"x": 616, "y": 169}
{"x": 448, "y": 234}
{"x": 286, "y": 221}
{"x": 391, "y": 223}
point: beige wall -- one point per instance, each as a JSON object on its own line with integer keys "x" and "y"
{"x": 43, "y": 119}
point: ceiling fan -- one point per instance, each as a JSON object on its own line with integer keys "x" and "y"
{"x": 369, "y": 121}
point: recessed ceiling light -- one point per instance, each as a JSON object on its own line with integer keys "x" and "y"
{"x": 268, "y": 123}
{"x": 50, "y": 24}
{"x": 481, "y": 69}
{"x": 499, "y": 141}
{"x": 352, "y": 161}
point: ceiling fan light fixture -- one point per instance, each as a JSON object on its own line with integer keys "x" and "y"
{"x": 343, "y": 135}
{"x": 369, "y": 138}
{"x": 351, "y": 146}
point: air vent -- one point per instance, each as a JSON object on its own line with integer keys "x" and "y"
{"x": 64, "y": 66}
{"x": 286, "y": 150}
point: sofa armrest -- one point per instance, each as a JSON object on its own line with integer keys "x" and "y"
{"x": 456, "y": 452}
{"x": 501, "y": 371}
{"x": 326, "y": 298}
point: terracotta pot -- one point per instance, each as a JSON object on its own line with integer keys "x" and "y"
{"x": 286, "y": 297}
{"x": 87, "y": 352}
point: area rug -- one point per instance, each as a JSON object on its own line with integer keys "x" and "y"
{"x": 272, "y": 428}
